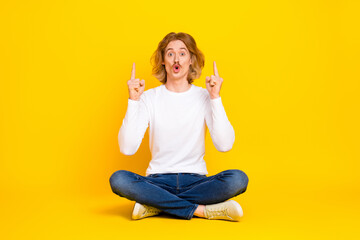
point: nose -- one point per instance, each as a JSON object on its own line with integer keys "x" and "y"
{"x": 176, "y": 59}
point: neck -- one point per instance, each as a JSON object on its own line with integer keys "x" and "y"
{"x": 180, "y": 85}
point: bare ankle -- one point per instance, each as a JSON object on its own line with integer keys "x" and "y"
{"x": 199, "y": 212}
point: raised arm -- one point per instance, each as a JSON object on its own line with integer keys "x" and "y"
{"x": 136, "y": 119}
{"x": 221, "y": 131}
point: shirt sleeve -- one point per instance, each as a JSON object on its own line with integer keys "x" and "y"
{"x": 133, "y": 127}
{"x": 221, "y": 131}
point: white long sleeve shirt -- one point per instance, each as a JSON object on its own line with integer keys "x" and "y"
{"x": 177, "y": 128}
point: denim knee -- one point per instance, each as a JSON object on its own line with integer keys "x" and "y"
{"x": 239, "y": 181}
{"x": 119, "y": 181}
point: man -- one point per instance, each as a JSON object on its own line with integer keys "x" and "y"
{"x": 178, "y": 113}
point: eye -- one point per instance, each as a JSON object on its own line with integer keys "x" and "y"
{"x": 182, "y": 54}
{"x": 170, "y": 54}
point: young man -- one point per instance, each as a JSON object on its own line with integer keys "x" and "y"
{"x": 178, "y": 112}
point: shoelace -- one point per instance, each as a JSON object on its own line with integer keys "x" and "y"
{"x": 217, "y": 213}
{"x": 151, "y": 210}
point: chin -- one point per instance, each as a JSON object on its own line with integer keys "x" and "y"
{"x": 178, "y": 77}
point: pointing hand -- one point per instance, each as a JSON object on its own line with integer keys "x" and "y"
{"x": 213, "y": 83}
{"x": 136, "y": 87}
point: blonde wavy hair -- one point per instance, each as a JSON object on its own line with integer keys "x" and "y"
{"x": 197, "y": 57}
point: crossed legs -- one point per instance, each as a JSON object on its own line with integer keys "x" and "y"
{"x": 165, "y": 192}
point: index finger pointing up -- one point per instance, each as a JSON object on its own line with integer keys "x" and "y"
{"x": 216, "y": 73}
{"x": 133, "y": 72}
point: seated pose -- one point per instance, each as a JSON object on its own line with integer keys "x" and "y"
{"x": 178, "y": 112}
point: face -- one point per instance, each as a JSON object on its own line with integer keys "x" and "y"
{"x": 177, "y": 60}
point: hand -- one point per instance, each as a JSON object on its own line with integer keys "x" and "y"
{"x": 213, "y": 83}
{"x": 136, "y": 87}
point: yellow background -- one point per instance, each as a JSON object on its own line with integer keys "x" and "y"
{"x": 291, "y": 91}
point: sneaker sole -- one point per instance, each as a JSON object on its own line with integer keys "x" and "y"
{"x": 238, "y": 208}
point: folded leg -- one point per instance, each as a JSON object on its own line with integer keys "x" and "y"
{"x": 217, "y": 188}
{"x": 142, "y": 190}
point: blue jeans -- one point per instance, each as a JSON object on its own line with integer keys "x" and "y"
{"x": 178, "y": 194}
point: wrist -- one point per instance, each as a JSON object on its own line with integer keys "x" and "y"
{"x": 214, "y": 96}
{"x": 134, "y": 99}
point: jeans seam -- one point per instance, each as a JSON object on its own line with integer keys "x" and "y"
{"x": 177, "y": 184}
{"x": 163, "y": 186}
{"x": 207, "y": 180}
{"x": 191, "y": 213}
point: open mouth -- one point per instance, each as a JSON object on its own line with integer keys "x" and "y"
{"x": 176, "y": 68}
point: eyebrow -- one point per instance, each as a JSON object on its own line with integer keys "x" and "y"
{"x": 173, "y": 49}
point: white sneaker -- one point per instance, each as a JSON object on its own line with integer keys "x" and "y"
{"x": 228, "y": 210}
{"x": 142, "y": 211}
